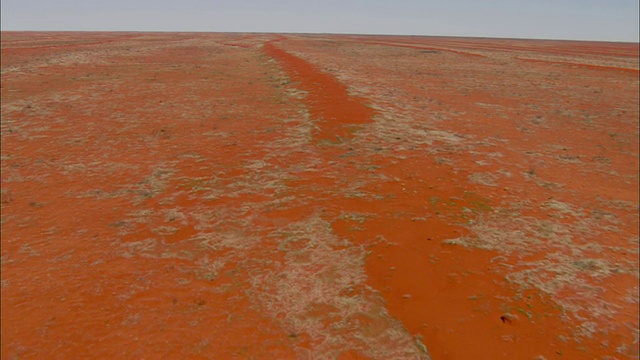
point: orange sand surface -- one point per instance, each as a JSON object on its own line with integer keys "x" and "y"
{"x": 263, "y": 196}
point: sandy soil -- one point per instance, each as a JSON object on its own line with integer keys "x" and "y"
{"x": 239, "y": 196}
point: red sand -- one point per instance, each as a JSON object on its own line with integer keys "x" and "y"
{"x": 266, "y": 196}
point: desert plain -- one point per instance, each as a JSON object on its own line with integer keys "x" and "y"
{"x": 297, "y": 196}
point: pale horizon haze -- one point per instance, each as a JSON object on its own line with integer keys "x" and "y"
{"x": 613, "y": 20}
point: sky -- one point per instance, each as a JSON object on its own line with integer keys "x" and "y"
{"x": 607, "y": 20}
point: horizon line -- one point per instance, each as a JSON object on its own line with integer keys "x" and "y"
{"x": 322, "y": 33}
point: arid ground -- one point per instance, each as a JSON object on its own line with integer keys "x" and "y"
{"x": 262, "y": 196}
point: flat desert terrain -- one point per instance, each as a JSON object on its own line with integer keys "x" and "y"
{"x": 265, "y": 196}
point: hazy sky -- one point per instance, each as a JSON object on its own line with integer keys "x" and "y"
{"x": 614, "y": 20}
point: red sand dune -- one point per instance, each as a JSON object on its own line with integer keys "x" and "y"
{"x": 238, "y": 196}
